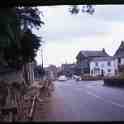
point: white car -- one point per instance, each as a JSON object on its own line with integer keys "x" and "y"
{"x": 78, "y": 78}
{"x": 62, "y": 78}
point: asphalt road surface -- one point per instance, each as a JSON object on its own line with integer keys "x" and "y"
{"x": 82, "y": 101}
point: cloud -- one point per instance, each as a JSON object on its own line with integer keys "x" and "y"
{"x": 110, "y": 12}
{"x": 61, "y": 25}
{"x": 65, "y": 34}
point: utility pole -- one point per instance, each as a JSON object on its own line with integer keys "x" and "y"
{"x": 43, "y": 71}
{"x": 42, "y": 55}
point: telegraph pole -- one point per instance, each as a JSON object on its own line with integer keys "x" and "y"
{"x": 42, "y": 55}
{"x": 42, "y": 67}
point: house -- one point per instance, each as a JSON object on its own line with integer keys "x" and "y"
{"x": 103, "y": 66}
{"x": 84, "y": 57}
{"x": 119, "y": 55}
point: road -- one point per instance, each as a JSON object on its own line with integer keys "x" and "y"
{"x": 82, "y": 101}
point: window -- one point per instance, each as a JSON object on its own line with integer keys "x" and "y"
{"x": 119, "y": 60}
{"x": 109, "y": 70}
{"x": 109, "y": 63}
{"x": 96, "y": 64}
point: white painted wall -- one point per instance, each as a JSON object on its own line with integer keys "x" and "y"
{"x": 122, "y": 61}
{"x": 104, "y": 65}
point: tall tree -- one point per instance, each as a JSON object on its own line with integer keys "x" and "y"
{"x": 18, "y": 45}
{"x": 29, "y": 18}
{"x": 16, "y": 25}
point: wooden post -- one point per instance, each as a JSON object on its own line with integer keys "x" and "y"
{"x": 32, "y": 108}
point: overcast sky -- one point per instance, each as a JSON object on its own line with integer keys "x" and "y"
{"x": 65, "y": 35}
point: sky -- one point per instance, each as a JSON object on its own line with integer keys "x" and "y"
{"x": 64, "y": 35}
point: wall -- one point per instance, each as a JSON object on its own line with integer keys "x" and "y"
{"x": 103, "y": 65}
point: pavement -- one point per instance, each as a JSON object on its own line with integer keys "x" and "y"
{"x": 82, "y": 101}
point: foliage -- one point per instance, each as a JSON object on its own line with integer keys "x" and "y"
{"x": 85, "y": 8}
{"x": 29, "y": 44}
{"x": 9, "y": 24}
{"x": 29, "y": 17}
{"x": 18, "y": 45}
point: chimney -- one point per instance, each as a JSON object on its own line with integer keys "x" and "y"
{"x": 103, "y": 50}
{"x": 122, "y": 43}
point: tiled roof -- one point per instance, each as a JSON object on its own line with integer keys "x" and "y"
{"x": 120, "y": 51}
{"x": 94, "y": 53}
{"x": 102, "y": 58}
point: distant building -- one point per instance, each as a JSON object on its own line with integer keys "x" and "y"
{"x": 84, "y": 58}
{"x": 52, "y": 71}
{"x": 68, "y": 69}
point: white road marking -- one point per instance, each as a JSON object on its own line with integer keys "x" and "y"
{"x": 105, "y": 100}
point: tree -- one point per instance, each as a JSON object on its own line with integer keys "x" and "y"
{"x": 29, "y": 17}
{"x": 18, "y": 43}
{"x": 9, "y": 27}
{"x": 85, "y": 8}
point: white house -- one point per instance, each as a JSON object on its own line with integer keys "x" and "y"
{"x": 84, "y": 58}
{"x": 103, "y": 66}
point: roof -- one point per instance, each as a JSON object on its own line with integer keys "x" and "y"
{"x": 94, "y": 53}
{"x": 103, "y": 58}
{"x": 120, "y": 50}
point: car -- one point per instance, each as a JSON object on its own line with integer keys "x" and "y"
{"x": 77, "y": 78}
{"x": 62, "y": 78}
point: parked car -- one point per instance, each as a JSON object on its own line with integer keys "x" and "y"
{"x": 62, "y": 78}
{"x": 77, "y": 78}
